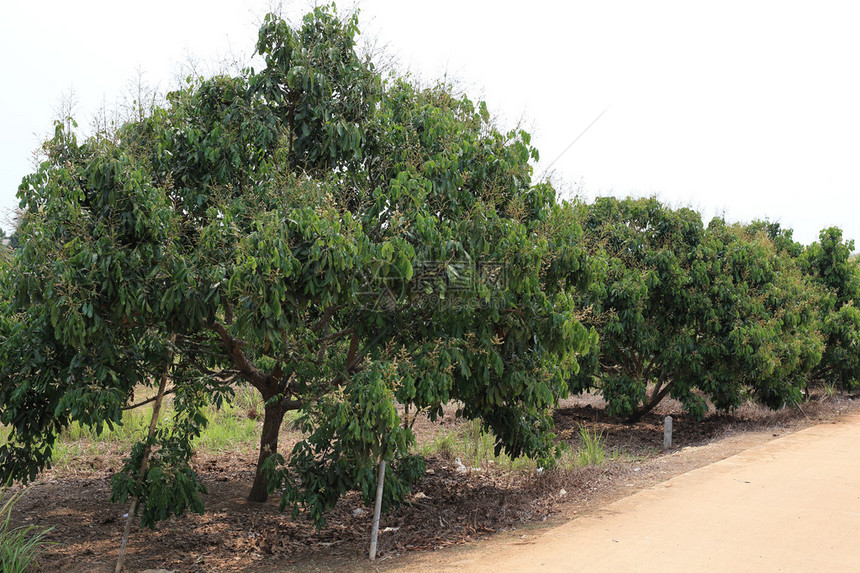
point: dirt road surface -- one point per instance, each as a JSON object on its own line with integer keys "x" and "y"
{"x": 791, "y": 504}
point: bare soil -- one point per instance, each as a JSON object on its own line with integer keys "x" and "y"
{"x": 447, "y": 508}
{"x": 789, "y": 504}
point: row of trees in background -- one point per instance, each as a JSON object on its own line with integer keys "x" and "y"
{"x": 344, "y": 242}
{"x": 719, "y": 313}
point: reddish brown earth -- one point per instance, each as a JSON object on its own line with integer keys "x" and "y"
{"x": 447, "y": 509}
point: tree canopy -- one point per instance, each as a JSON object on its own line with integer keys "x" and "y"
{"x": 829, "y": 263}
{"x": 692, "y": 312}
{"x": 339, "y": 241}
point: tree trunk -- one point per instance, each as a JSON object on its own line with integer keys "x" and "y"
{"x": 147, "y": 450}
{"x": 273, "y": 417}
{"x": 656, "y": 398}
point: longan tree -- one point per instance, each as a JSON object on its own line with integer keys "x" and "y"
{"x": 341, "y": 242}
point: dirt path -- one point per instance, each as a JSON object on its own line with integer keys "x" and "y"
{"x": 791, "y": 504}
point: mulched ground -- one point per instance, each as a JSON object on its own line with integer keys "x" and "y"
{"x": 447, "y": 507}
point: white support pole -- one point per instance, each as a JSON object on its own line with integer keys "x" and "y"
{"x": 667, "y": 432}
{"x": 377, "y": 509}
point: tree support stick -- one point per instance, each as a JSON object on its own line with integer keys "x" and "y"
{"x": 144, "y": 462}
{"x": 377, "y": 509}
{"x": 667, "y": 432}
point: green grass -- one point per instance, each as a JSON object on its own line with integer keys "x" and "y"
{"x": 248, "y": 400}
{"x": 19, "y": 546}
{"x": 592, "y": 447}
{"x": 229, "y": 428}
{"x": 134, "y": 424}
{"x": 67, "y": 451}
{"x": 474, "y": 446}
{"x": 235, "y": 426}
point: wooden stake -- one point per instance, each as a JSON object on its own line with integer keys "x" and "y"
{"x": 144, "y": 462}
{"x": 377, "y": 509}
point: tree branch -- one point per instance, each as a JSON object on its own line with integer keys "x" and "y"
{"x": 148, "y": 400}
{"x": 246, "y": 368}
{"x": 353, "y": 350}
{"x": 656, "y": 398}
{"x": 338, "y": 334}
{"x": 324, "y": 319}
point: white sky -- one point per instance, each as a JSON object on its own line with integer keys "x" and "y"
{"x": 747, "y": 108}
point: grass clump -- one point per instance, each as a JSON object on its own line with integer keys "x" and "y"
{"x": 19, "y": 546}
{"x": 592, "y": 447}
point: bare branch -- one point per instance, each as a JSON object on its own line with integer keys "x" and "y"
{"x": 148, "y": 400}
